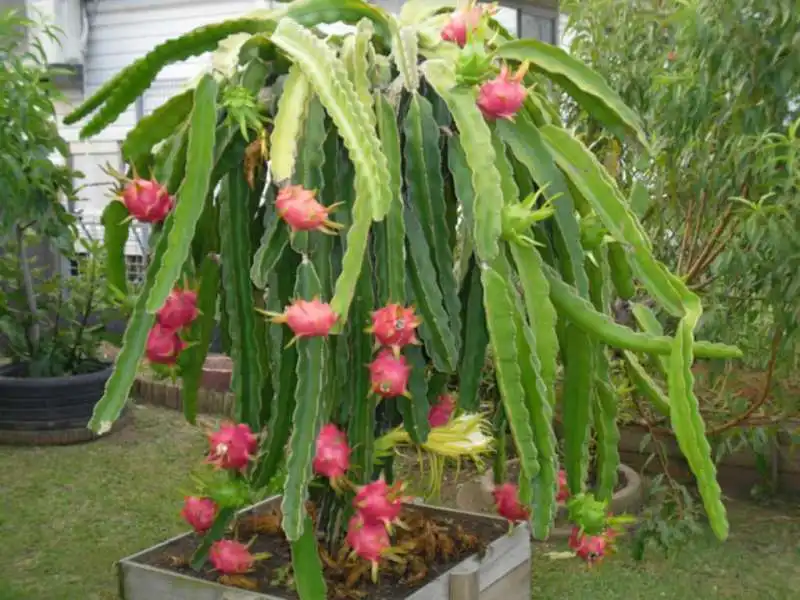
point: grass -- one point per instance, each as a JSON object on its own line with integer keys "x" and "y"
{"x": 67, "y": 514}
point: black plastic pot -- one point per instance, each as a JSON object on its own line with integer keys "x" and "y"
{"x": 41, "y": 409}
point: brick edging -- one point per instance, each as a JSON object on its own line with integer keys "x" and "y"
{"x": 166, "y": 394}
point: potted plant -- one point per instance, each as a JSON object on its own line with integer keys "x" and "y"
{"x": 48, "y": 323}
{"x": 392, "y": 150}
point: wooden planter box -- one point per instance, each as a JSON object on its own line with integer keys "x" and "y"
{"x": 504, "y": 573}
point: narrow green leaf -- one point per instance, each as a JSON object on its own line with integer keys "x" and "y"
{"x": 170, "y": 166}
{"x": 192, "y": 195}
{"x": 528, "y": 146}
{"x": 598, "y": 188}
{"x": 355, "y": 52}
{"x": 284, "y": 373}
{"x": 361, "y": 418}
{"x": 645, "y": 384}
{"x": 118, "y": 386}
{"x": 307, "y": 565}
{"x": 435, "y": 330}
{"x": 289, "y": 121}
{"x": 503, "y": 332}
{"x": 273, "y": 243}
{"x": 606, "y": 403}
{"x": 581, "y": 312}
{"x": 308, "y": 410}
{"x": 476, "y": 340}
{"x": 576, "y": 404}
{"x": 192, "y": 359}
{"x": 476, "y": 140}
{"x": 425, "y": 187}
{"x": 581, "y": 82}
{"x": 116, "y": 227}
{"x": 621, "y": 274}
{"x": 158, "y": 125}
{"x": 404, "y": 53}
{"x": 689, "y": 428}
{"x": 394, "y": 229}
{"x": 415, "y": 409}
{"x": 125, "y": 87}
{"x": 648, "y": 322}
{"x": 234, "y": 222}
{"x": 353, "y": 261}
{"x": 352, "y": 118}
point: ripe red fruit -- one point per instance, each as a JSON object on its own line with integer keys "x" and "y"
{"x": 199, "y": 513}
{"x": 461, "y": 22}
{"x": 394, "y": 325}
{"x": 440, "y": 413}
{"x": 503, "y": 96}
{"x": 367, "y": 541}
{"x": 301, "y": 211}
{"x": 179, "y": 310}
{"x": 232, "y": 446}
{"x": 147, "y": 201}
{"x": 591, "y": 548}
{"x": 332, "y": 457}
{"x": 389, "y": 374}
{"x": 308, "y": 318}
{"x": 230, "y": 557}
{"x": 506, "y": 499}
{"x": 378, "y": 503}
{"x": 563, "y": 488}
{"x": 164, "y": 345}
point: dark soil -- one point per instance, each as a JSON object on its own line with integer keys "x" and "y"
{"x": 434, "y": 543}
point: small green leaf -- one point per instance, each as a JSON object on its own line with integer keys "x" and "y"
{"x": 192, "y": 195}
{"x": 116, "y": 227}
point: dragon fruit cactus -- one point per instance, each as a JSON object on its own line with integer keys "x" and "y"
{"x": 332, "y": 456}
{"x": 147, "y": 200}
{"x": 179, "y": 311}
{"x": 394, "y": 326}
{"x": 231, "y": 557}
{"x": 503, "y": 96}
{"x": 308, "y": 318}
{"x": 232, "y": 447}
{"x": 446, "y": 163}
{"x": 199, "y": 513}
{"x": 441, "y": 412}
{"x": 301, "y": 211}
{"x": 389, "y": 374}
{"x": 164, "y": 345}
{"x": 506, "y": 499}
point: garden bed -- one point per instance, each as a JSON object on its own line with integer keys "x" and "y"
{"x": 436, "y": 541}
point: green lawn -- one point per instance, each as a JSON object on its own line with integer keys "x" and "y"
{"x": 66, "y": 514}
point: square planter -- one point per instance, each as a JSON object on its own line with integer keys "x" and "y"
{"x": 502, "y": 573}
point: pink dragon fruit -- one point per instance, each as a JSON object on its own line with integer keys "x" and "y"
{"x": 462, "y": 23}
{"x": 332, "y": 457}
{"x": 369, "y": 542}
{"x": 301, "y": 211}
{"x": 563, "y": 488}
{"x": 179, "y": 310}
{"x": 230, "y": 557}
{"x": 502, "y": 97}
{"x": 394, "y": 325}
{"x": 308, "y": 318}
{"x": 389, "y": 374}
{"x": 378, "y": 503}
{"x": 506, "y": 499}
{"x": 164, "y": 345}
{"x": 232, "y": 446}
{"x": 199, "y": 513}
{"x": 147, "y": 200}
{"x": 440, "y": 413}
{"x": 590, "y": 548}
